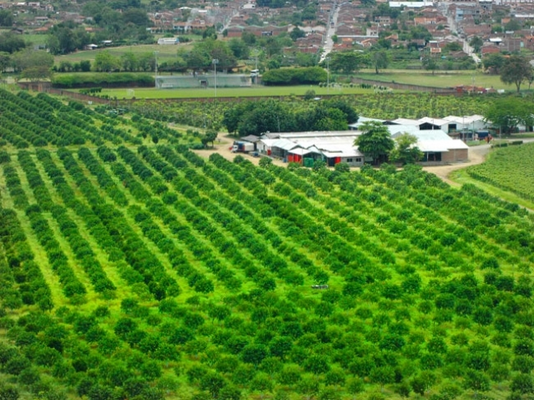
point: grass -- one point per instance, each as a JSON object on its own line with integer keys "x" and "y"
{"x": 152, "y": 93}
{"x": 165, "y": 53}
{"x": 439, "y": 79}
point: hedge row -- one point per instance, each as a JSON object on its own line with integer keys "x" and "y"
{"x": 294, "y": 76}
{"x": 105, "y": 80}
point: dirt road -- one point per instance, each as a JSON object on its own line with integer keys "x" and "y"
{"x": 477, "y": 155}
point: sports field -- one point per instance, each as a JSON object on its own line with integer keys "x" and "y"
{"x": 439, "y": 79}
{"x": 152, "y": 93}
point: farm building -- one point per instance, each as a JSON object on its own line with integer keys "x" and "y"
{"x": 448, "y": 124}
{"x": 306, "y": 147}
{"x": 203, "y": 81}
{"x": 470, "y": 122}
{"x": 439, "y": 147}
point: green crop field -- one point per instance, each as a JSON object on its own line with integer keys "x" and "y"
{"x": 439, "y": 79}
{"x": 379, "y": 105}
{"x": 133, "y": 268}
{"x": 254, "y": 91}
{"x": 510, "y": 168}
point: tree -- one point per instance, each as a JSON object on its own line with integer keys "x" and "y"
{"x": 476, "y": 381}
{"x": 29, "y": 59}
{"x": 297, "y": 33}
{"x": 406, "y": 150}
{"x": 507, "y": 114}
{"x": 11, "y": 43}
{"x": 209, "y": 137}
{"x": 106, "y": 62}
{"x": 476, "y": 43}
{"x": 37, "y": 73}
{"x": 522, "y": 383}
{"x": 347, "y": 61}
{"x": 375, "y": 141}
{"x": 239, "y": 48}
{"x": 380, "y": 60}
{"x": 516, "y": 70}
{"x": 493, "y": 63}
{"x": 6, "y": 18}
{"x": 429, "y": 63}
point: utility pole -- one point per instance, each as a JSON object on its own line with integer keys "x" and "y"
{"x": 215, "y": 62}
{"x": 327, "y": 75}
{"x": 156, "y": 68}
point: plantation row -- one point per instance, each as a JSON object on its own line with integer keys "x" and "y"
{"x": 497, "y": 172}
{"x": 383, "y": 106}
{"x": 199, "y": 276}
{"x": 41, "y": 120}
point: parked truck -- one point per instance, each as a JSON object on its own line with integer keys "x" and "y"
{"x": 242, "y": 147}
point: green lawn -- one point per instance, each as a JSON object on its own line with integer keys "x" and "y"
{"x": 439, "y": 79}
{"x": 152, "y": 93}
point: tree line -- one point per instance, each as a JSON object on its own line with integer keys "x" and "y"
{"x": 254, "y": 117}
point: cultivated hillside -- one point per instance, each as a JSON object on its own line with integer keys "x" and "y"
{"x": 131, "y": 268}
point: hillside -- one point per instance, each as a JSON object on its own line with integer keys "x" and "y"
{"x": 130, "y": 267}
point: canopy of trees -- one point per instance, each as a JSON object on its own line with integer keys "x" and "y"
{"x": 255, "y": 118}
{"x": 375, "y": 141}
{"x": 516, "y": 70}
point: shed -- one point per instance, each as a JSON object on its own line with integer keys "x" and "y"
{"x": 438, "y": 146}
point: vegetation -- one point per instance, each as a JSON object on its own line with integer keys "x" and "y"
{"x": 375, "y": 141}
{"x": 405, "y": 150}
{"x": 516, "y": 70}
{"x": 110, "y": 80}
{"x": 133, "y": 268}
{"x": 507, "y": 114}
{"x": 508, "y": 168}
{"x": 380, "y": 105}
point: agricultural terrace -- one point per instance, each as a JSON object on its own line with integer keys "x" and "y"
{"x": 509, "y": 168}
{"x": 130, "y": 269}
{"x": 381, "y": 105}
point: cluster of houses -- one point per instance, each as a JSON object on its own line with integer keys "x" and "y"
{"x": 442, "y": 141}
{"x": 354, "y": 24}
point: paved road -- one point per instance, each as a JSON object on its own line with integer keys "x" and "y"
{"x": 444, "y": 9}
{"x": 330, "y": 31}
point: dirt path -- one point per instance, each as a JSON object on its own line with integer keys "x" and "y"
{"x": 223, "y": 148}
{"x": 477, "y": 155}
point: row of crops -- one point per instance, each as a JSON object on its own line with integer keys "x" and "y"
{"x": 383, "y": 106}
{"x": 48, "y": 122}
{"x": 144, "y": 272}
{"x": 509, "y": 168}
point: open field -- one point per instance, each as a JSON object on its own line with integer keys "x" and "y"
{"x": 165, "y": 52}
{"x": 440, "y": 79}
{"x": 255, "y": 91}
{"x": 131, "y": 267}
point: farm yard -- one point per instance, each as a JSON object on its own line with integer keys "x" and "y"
{"x": 131, "y": 267}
